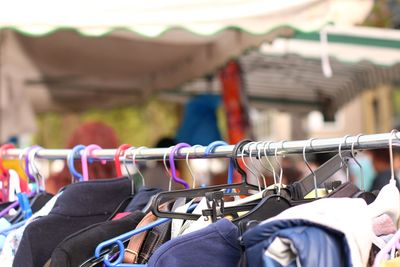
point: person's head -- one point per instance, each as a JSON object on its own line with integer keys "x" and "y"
{"x": 86, "y": 134}
{"x": 380, "y": 159}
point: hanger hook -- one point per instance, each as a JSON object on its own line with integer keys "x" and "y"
{"x": 24, "y": 158}
{"x": 134, "y": 154}
{"x": 124, "y": 158}
{"x": 341, "y": 157}
{"x": 394, "y": 131}
{"x": 84, "y": 159}
{"x": 118, "y": 153}
{"x": 188, "y": 165}
{"x": 280, "y": 166}
{"x": 166, "y": 167}
{"x": 247, "y": 167}
{"x": 259, "y": 150}
{"x": 210, "y": 148}
{"x": 36, "y": 173}
{"x": 128, "y": 173}
{"x": 75, "y": 175}
{"x": 175, "y": 178}
{"x": 267, "y": 147}
{"x": 309, "y": 167}
{"x": 253, "y": 164}
{"x": 353, "y": 155}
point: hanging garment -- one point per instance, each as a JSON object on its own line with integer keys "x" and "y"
{"x": 141, "y": 198}
{"x": 154, "y": 239}
{"x": 14, "y": 237}
{"x": 217, "y": 245}
{"x": 135, "y": 243}
{"x": 80, "y": 205}
{"x": 285, "y": 244}
{"x": 200, "y": 127}
{"x": 341, "y": 216}
{"x": 80, "y": 246}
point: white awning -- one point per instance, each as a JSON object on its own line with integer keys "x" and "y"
{"x": 82, "y": 54}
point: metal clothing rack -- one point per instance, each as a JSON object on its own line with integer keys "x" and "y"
{"x": 316, "y": 145}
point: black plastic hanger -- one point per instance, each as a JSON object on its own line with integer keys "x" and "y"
{"x": 242, "y": 188}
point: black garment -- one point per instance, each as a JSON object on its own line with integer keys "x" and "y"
{"x": 154, "y": 239}
{"x": 80, "y": 205}
{"x": 80, "y": 246}
{"x": 382, "y": 179}
{"x": 141, "y": 198}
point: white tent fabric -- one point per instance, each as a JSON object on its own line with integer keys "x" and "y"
{"x": 203, "y": 17}
{"x": 95, "y": 53}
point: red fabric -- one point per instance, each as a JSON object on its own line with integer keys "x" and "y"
{"x": 120, "y": 215}
{"x": 88, "y": 133}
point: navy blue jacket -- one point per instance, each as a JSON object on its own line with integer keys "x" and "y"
{"x": 314, "y": 245}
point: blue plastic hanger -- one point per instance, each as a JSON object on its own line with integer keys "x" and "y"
{"x": 210, "y": 148}
{"x": 70, "y": 162}
{"x": 121, "y": 238}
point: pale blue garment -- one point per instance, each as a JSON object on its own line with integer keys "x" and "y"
{"x": 367, "y": 168}
{"x": 4, "y": 224}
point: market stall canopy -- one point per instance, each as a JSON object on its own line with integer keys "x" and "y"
{"x": 302, "y": 74}
{"x": 81, "y": 54}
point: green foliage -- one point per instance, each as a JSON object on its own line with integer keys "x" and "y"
{"x": 138, "y": 125}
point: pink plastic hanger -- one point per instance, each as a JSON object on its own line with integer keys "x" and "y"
{"x": 88, "y": 152}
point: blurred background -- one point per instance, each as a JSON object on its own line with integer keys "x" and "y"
{"x": 113, "y": 72}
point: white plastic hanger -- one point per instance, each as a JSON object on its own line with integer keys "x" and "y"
{"x": 388, "y": 199}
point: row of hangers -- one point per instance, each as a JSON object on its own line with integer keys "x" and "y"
{"x": 260, "y": 201}
{"x": 263, "y": 203}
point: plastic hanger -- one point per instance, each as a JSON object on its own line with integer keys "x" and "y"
{"x": 76, "y": 176}
{"x": 367, "y": 196}
{"x": 16, "y": 203}
{"x": 135, "y": 152}
{"x": 4, "y": 175}
{"x": 34, "y": 174}
{"x": 210, "y": 148}
{"x": 346, "y": 189}
{"x": 390, "y": 247}
{"x": 88, "y": 152}
{"x": 130, "y": 176}
{"x": 242, "y": 188}
{"x": 388, "y": 199}
{"x": 250, "y": 169}
{"x": 190, "y": 168}
{"x": 258, "y": 195}
{"x": 259, "y": 160}
{"x": 270, "y": 205}
{"x": 119, "y": 241}
{"x": 40, "y": 185}
{"x": 120, "y": 151}
{"x": 309, "y": 167}
{"x": 175, "y": 178}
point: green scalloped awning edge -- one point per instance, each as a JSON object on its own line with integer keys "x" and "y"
{"x": 341, "y": 60}
{"x": 348, "y": 39}
{"x": 108, "y": 31}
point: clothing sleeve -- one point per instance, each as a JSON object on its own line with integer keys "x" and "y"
{"x": 23, "y": 257}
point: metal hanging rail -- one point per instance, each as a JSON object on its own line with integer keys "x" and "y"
{"x": 316, "y": 145}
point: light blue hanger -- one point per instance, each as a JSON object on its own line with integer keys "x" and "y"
{"x": 70, "y": 162}
{"x": 210, "y": 148}
{"x": 121, "y": 238}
